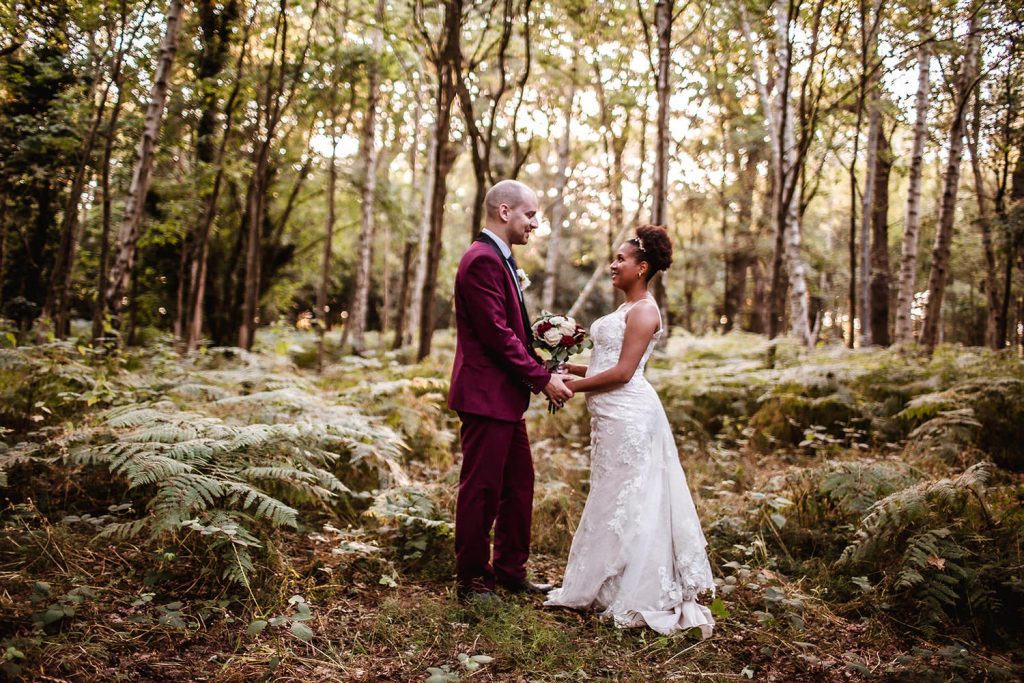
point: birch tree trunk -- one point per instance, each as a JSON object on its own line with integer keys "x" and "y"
{"x": 423, "y": 244}
{"x": 558, "y": 206}
{"x": 931, "y": 335}
{"x": 912, "y": 222}
{"x": 787, "y": 205}
{"x": 368, "y": 152}
{"x": 664, "y": 10}
{"x": 128, "y": 236}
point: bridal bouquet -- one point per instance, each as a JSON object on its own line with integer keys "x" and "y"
{"x": 559, "y": 336}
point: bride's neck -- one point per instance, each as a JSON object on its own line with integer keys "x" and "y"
{"x": 636, "y": 294}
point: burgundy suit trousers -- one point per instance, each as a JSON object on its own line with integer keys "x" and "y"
{"x": 495, "y": 490}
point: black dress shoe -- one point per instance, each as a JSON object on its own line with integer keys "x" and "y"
{"x": 525, "y": 586}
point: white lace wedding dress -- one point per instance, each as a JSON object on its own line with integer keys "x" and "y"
{"x": 639, "y": 553}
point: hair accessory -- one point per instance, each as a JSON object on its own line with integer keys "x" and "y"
{"x": 639, "y": 243}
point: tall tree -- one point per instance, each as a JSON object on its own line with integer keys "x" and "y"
{"x": 368, "y": 153}
{"x": 483, "y": 129}
{"x": 993, "y": 308}
{"x": 215, "y": 31}
{"x": 128, "y": 236}
{"x": 278, "y": 91}
{"x": 912, "y": 222}
{"x": 965, "y": 82}
{"x": 446, "y": 58}
{"x": 557, "y": 209}
{"x": 879, "y": 265}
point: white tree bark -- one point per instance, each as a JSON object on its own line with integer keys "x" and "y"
{"x": 912, "y": 223}
{"x": 420, "y": 280}
{"x": 128, "y": 236}
{"x": 368, "y": 147}
{"x": 787, "y": 203}
{"x": 558, "y": 207}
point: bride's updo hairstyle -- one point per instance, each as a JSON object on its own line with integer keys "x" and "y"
{"x": 653, "y": 247}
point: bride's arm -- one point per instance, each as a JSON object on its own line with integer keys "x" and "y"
{"x": 576, "y": 369}
{"x": 641, "y": 324}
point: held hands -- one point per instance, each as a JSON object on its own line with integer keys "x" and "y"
{"x": 557, "y": 392}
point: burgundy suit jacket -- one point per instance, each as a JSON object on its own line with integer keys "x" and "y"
{"x": 495, "y": 366}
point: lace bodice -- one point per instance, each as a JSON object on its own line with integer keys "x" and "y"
{"x": 608, "y": 332}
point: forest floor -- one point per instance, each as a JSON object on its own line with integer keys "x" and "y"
{"x": 355, "y": 592}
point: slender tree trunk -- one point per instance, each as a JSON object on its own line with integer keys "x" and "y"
{"x": 912, "y": 222}
{"x": 740, "y": 252}
{"x": 423, "y": 244}
{"x": 409, "y": 250}
{"x": 879, "y": 304}
{"x": 776, "y": 299}
{"x": 448, "y": 72}
{"x": 404, "y": 285}
{"x": 368, "y": 152}
{"x": 664, "y": 11}
{"x": 787, "y": 203}
{"x": 322, "y": 310}
{"x": 557, "y": 210}
{"x": 993, "y": 307}
{"x": 57, "y": 305}
{"x": 100, "y": 311}
{"x": 932, "y": 333}
{"x": 130, "y": 231}
{"x": 215, "y": 34}
{"x": 867, "y": 212}
{"x": 1014, "y": 242}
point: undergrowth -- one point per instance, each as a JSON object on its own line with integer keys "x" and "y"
{"x": 858, "y": 504}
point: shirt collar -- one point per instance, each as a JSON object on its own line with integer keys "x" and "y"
{"x": 506, "y": 251}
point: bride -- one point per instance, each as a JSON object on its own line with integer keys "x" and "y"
{"x": 639, "y": 553}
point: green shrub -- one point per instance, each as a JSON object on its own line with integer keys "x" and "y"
{"x": 785, "y": 418}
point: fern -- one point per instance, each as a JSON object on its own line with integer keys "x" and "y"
{"x": 936, "y": 549}
{"x": 219, "y": 475}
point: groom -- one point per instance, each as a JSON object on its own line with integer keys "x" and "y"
{"x": 494, "y": 372}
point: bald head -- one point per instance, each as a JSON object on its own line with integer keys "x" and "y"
{"x": 511, "y": 211}
{"x": 511, "y": 193}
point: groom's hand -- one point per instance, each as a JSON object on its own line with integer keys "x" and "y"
{"x": 556, "y": 391}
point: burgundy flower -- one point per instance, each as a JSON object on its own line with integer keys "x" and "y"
{"x": 567, "y": 341}
{"x": 544, "y": 327}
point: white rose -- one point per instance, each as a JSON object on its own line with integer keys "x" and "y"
{"x": 556, "y": 320}
{"x": 553, "y": 336}
{"x": 568, "y": 327}
{"x": 524, "y": 279}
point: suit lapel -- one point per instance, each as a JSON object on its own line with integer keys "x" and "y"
{"x": 515, "y": 289}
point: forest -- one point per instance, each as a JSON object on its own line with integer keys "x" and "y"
{"x": 229, "y": 234}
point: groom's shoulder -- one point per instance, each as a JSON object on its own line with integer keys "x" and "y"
{"x": 479, "y": 251}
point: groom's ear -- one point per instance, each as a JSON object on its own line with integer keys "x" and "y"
{"x": 503, "y": 211}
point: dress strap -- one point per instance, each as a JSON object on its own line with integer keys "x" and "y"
{"x": 627, "y": 307}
